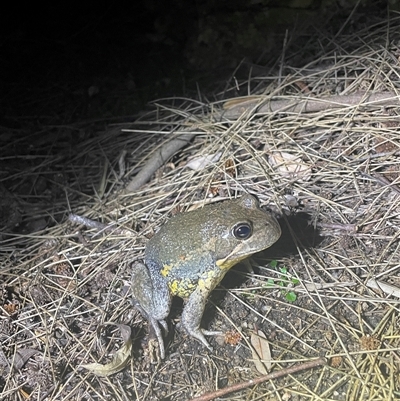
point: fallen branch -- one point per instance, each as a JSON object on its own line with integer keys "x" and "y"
{"x": 234, "y": 109}
{"x": 275, "y": 375}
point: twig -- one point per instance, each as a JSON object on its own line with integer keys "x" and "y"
{"x": 275, "y": 375}
{"x": 76, "y": 219}
{"x": 383, "y": 181}
{"x": 157, "y": 160}
{"x": 323, "y": 286}
{"x": 352, "y": 228}
{"x": 308, "y": 104}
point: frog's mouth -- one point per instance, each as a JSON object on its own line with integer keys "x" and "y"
{"x": 241, "y": 252}
{"x": 233, "y": 258}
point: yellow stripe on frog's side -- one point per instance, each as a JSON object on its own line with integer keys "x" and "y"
{"x": 182, "y": 288}
{"x": 210, "y": 280}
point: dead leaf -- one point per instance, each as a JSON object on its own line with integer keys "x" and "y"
{"x": 22, "y": 356}
{"x": 369, "y": 343}
{"x": 261, "y": 352}
{"x": 201, "y": 162}
{"x": 120, "y": 358}
{"x": 388, "y": 289}
{"x": 290, "y": 166}
{"x": 20, "y": 359}
{"x": 232, "y": 337}
{"x": 11, "y": 308}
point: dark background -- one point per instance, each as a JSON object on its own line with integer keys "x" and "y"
{"x": 79, "y": 60}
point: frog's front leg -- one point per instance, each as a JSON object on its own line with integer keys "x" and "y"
{"x": 152, "y": 297}
{"x": 193, "y": 312}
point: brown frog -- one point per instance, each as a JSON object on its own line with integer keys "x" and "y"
{"x": 190, "y": 255}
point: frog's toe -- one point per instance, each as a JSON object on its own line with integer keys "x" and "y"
{"x": 209, "y": 333}
{"x": 164, "y": 325}
{"x": 200, "y": 333}
{"x": 201, "y": 338}
{"x": 155, "y": 331}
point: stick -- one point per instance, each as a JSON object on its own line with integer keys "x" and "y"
{"x": 157, "y": 160}
{"x": 275, "y": 375}
{"x": 309, "y": 104}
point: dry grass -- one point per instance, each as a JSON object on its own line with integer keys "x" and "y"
{"x": 341, "y": 223}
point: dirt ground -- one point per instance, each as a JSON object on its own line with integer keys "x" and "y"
{"x": 317, "y": 143}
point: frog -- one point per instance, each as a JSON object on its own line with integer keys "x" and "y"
{"x": 190, "y": 255}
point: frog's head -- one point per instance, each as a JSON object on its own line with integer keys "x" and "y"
{"x": 244, "y": 228}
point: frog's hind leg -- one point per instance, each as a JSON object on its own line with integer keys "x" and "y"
{"x": 152, "y": 298}
{"x": 192, "y": 314}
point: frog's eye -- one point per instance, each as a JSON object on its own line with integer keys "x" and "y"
{"x": 242, "y": 231}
